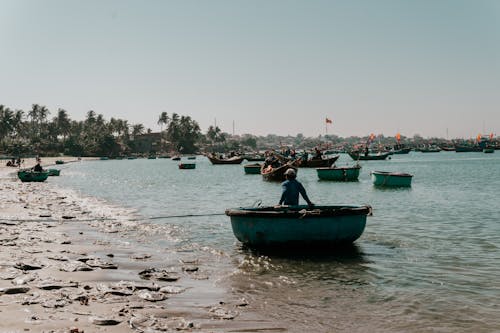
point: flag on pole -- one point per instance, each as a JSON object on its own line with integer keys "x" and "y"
{"x": 328, "y": 121}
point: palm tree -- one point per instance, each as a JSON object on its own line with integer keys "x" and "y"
{"x": 137, "y": 130}
{"x": 163, "y": 120}
{"x": 63, "y": 123}
{"x": 6, "y": 122}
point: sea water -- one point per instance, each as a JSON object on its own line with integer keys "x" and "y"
{"x": 429, "y": 259}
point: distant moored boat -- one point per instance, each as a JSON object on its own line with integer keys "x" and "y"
{"x": 382, "y": 178}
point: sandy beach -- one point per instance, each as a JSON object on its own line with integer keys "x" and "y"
{"x": 70, "y": 263}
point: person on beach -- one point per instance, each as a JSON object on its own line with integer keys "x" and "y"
{"x": 38, "y": 167}
{"x": 291, "y": 189}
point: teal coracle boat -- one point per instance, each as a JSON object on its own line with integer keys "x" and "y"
{"x": 187, "y": 166}
{"x": 54, "y": 172}
{"x": 298, "y": 225}
{"x": 59, "y": 162}
{"x": 339, "y": 173}
{"x": 253, "y": 169}
{"x": 395, "y": 179}
{"x": 32, "y": 176}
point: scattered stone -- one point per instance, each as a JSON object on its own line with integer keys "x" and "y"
{"x": 27, "y": 267}
{"x": 54, "y": 303}
{"x": 24, "y": 279}
{"x": 141, "y": 256}
{"x": 172, "y": 290}
{"x": 111, "y": 255}
{"x": 14, "y": 290}
{"x": 223, "y": 313}
{"x": 190, "y": 269}
{"x": 101, "y": 264}
{"x": 158, "y": 274}
{"x": 104, "y": 321}
{"x": 76, "y": 266}
{"x": 54, "y": 285}
{"x": 58, "y": 257}
{"x": 152, "y": 296}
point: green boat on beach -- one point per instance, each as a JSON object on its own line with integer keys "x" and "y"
{"x": 252, "y": 169}
{"x": 298, "y": 225}
{"x": 339, "y": 173}
{"x": 54, "y": 172}
{"x": 32, "y": 176}
{"x": 394, "y": 179}
{"x": 59, "y": 162}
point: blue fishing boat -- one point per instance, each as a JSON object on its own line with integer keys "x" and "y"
{"x": 253, "y": 169}
{"x": 298, "y": 225}
{"x": 339, "y": 173}
{"x": 187, "y": 165}
{"x": 395, "y": 179}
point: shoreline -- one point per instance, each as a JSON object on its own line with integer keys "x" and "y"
{"x": 73, "y": 264}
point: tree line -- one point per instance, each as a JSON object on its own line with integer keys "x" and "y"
{"x": 34, "y": 132}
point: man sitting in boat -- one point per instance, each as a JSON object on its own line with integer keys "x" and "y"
{"x": 291, "y": 189}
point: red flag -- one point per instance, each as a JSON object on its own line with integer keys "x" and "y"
{"x": 491, "y": 136}
{"x": 398, "y": 136}
{"x": 328, "y": 121}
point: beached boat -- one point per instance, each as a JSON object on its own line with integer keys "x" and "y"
{"x": 382, "y": 178}
{"x": 253, "y": 168}
{"x": 54, "y": 172}
{"x": 276, "y": 174}
{"x": 298, "y": 225}
{"x": 488, "y": 150}
{"x": 231, "y": 160}
{"x": 187, "y": 166}
{"x": 59, "y": 162}
{"x": 32, "y": 176}
{"x": 315, "y": 162}
{"x": 339, "y": 173}
{"x": 104, "y": 158}
{"x": 176, "y": 158}
{"x": 369, "y": 157}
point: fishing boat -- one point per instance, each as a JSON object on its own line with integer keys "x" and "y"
{"x": 230, "y": 160}
{"x": 401, "y": 151}
{"x": 59, "y": 162}
{"x": 339, "y": 173}
{"x": 382, "y": 178}
{"x": 253, "y": 169}
{"x": 430, "y": 149}
{"x": 276, "y": 173}
{"x": 54, "y": 172}
{"x": 466, "y": 149}
{"x": 191, "y": 157}
{"x": 315, "y": 162}
{"x": 254, "y": 158}
{"x": 32, "y": 176}
{"x": 488, "y": 150}
{"x": 152, "y": 157}
{"x": 298, "y": 225}
{"x": 176, "y": 158}
{"x": 187, "y": 166}
{"x": 367, "y": 157}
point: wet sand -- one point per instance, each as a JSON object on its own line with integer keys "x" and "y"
{"x": 75, "y": 264}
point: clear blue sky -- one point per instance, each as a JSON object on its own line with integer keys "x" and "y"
{"x": 279, "y": 67}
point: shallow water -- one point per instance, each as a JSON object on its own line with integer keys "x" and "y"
{"x": 427, "y": 261}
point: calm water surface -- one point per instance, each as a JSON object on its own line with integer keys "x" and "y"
{"x": 429, "y": 259}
